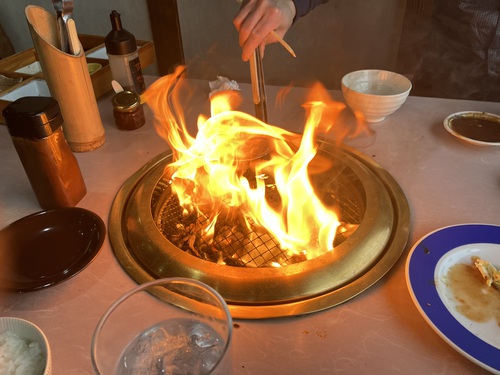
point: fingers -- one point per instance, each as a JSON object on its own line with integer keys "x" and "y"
{"x": 256, "y": 40}
{"x": 242, "y": 14}
{"x": 257, "y": 19}
{"x": 253, "y": 25}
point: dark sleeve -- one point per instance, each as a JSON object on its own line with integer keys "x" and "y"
{"x": 303, "y": 7}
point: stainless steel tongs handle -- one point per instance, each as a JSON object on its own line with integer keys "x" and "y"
{"x": 258, "y": 86}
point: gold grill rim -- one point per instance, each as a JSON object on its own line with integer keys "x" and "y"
{"x": 394, "y": 247}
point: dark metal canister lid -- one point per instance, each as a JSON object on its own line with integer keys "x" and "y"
{"x": 33, "y": 117}
{"x": 126, "y": 101}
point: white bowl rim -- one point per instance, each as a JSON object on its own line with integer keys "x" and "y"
{"x": 405, "y": 79}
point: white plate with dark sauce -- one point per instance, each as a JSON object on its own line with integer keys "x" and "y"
{"x": 449, "y": 291}
{"x": 478, "y": 128}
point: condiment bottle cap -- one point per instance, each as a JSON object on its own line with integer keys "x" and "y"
{"x": 125, "y": 101}
{"x": 119, "y": 41}
{"x": 33, "y": 117}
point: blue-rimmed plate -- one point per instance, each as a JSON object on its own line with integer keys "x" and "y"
{"x": 426, "y": 269}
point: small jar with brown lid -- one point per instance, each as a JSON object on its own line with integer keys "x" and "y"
{"x": 35, "y": 125}
{"x": 128, "y": 111}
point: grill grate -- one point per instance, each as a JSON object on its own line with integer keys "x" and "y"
{"x": 232, "y": 243}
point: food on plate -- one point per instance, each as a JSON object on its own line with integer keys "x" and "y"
{"x": 490, "y": 274}
{"x": 473, "y": 298}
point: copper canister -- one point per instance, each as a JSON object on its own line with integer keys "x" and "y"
{"x": 35, "y": 125}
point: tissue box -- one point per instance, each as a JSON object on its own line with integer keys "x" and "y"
{"x": 25, "y": 65}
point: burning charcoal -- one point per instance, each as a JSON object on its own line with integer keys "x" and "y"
{"x": 234, "y": 262}
{"x": 236, "y": 240}
{"x": 330, "y": 199}
{"x": 191, "y": 241}
{"x": 229, "y": 240}
{"x": 204, "y": 248}
{"x": 232, "y": 216}
{"x": 297, "y": 258}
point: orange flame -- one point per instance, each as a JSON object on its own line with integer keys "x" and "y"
{"x": 235, "y": 160}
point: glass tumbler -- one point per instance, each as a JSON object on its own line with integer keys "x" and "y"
{"x": 166, "y": 326}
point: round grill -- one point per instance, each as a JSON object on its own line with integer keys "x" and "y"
{"x": 144, "y": 232}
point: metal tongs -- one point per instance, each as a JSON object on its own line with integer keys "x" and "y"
{"x": 64, "y": 12}
{"x": 258, "y": 85}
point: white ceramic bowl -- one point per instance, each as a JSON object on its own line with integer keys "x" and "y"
{"x": 375, "y": 93}
{"x": 30, "y": 333}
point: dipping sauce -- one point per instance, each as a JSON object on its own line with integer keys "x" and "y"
{"x": 475, "y": 300}
{"x": 482, "y": 128}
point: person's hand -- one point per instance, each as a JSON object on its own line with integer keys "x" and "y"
{"x": 258, "y": 18}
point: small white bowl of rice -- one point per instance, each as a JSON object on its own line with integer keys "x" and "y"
{"x": 24, "y": 349}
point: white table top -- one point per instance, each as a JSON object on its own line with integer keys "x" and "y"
{"x": 446, "y": 182}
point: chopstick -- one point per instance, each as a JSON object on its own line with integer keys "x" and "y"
{"x": 283, "y": 43}
{"x": 254, "y": 78}
{"x": 258, "y": 86}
